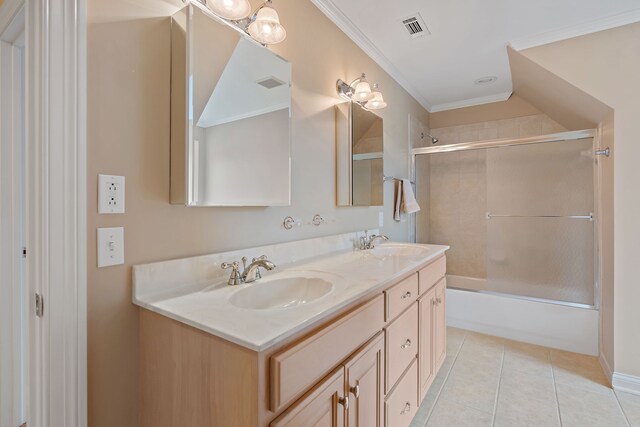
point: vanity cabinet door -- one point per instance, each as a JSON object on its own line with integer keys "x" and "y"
{"x": 440, "y": 324}
{"x": 426, "y": 330}
{"x": 323, "y": 406}
{"x": 365, "y": 385}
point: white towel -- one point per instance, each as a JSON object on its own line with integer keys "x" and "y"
{"x": 398, "y": 214}
{"x": 409, "y": 204}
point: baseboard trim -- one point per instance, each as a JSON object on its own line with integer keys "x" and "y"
{"x": 606, "y": 368}
{"x": 626, "y": 383}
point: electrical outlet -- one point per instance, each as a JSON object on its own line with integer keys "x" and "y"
{"x": 380, "y": 219}
{"x": 110, "y": 246}
{"x": 110, "y": 194}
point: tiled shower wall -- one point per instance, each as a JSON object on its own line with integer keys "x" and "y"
{"x": 452, "y": 189}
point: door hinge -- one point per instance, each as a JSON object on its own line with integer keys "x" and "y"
{"x": 39, "y": 305}
{"x": 24, "y": 255}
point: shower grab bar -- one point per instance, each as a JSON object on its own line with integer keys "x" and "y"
{"x": 589, "y": 216}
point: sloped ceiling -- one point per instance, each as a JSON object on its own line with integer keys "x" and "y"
{"x": 560, "y": 100}
{"x": 467, "y": 39}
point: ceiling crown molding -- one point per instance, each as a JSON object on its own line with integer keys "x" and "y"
{"x": 577, "y": 30}
{"x": 351, "y": 30}
{"x": 471, "y": 102}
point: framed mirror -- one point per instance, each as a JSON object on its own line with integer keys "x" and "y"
{"x": 230, "y": 116}
{"x": 359, "y": 148}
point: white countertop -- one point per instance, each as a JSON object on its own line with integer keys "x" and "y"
{"x": 206, "y": 306}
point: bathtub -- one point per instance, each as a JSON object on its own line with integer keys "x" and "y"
{"x": 567, "y": 327}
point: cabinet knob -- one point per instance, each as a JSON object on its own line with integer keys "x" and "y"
{"x": 344, "y": 401}
{"x": 407, "y": 408}
{"x": 439, "y": 300}
{"x": 407, "y": 295}
{"x": 406, "y": 344}
{"x": 355, "y": 390}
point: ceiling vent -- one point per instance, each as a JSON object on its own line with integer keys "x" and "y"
{"x": 415, "y": 25}
{"x": 270, "y": 82}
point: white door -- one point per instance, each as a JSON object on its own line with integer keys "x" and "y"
{"x": 13, "y": 290}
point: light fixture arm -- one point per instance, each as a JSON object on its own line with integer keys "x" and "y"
{"x": 347, "y": 91}
{"x": 243, "y": 24}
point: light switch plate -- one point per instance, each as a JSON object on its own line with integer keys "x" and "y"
{"x": 110, "y": 194}
{"x": 110, "y": 246}
{"x": 380, "y": 219}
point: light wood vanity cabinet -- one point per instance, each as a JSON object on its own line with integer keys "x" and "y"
{"x": 440, "y": 325}
{"x": 433, "y": 333}
{"x": 365, "y": 385}
{"x": 401, "y": 345}
{"x": 370, "y": 365}
{"x": 402, "y": 402}
{"x": 426, "y": 360}
{"x": 353, "y": 393}
{"x": 322, "y": 406}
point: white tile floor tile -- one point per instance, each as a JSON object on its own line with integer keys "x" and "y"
{"x": 490, "y": 381}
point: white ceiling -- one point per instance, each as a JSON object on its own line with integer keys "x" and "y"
{"x": 468, "y": 39}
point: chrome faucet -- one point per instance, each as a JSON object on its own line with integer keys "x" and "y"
{"x": 251, "y": 272}
{"x": 369, "y": 242}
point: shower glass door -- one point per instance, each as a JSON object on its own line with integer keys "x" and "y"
{"x": 540, "y": 231}
{"x": 519, "y": 218}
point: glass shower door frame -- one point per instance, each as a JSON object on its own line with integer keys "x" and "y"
{"x": 556, "y": 137}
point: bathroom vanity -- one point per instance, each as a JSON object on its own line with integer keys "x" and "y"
{"x": 335, "y": 336}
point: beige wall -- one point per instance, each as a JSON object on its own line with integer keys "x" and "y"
{"x": 128, "y": 113}
{"x": 558, "y": 98}
{"x": 513, "y": 107}
{"x": 606, "y": 231}
{"x": 606, "y": 65}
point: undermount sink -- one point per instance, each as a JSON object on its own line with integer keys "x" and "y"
{"x": 398, "y": 249}
{"x": 281, "y": 293}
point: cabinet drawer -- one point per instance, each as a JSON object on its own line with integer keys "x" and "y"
{"x": 402, "y": 403}
{"x": 298, "y": 367}
{"x": 401, "y": 345}
{"x": 431, "y": 274}
{"x": 400, "y": 296}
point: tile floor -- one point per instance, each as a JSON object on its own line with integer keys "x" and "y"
{"x": 490, "y": 381}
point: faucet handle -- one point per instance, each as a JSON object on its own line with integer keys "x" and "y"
{"x": 235, "y": 278}
{"x": 227, "y": 265}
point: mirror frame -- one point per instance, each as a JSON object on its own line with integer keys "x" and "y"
{"x": 344, "y": 154}
{"x": 181, "y": 139}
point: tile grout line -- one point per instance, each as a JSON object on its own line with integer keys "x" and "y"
{"x": 624, "y": 414}
{"x": 555, "y": 389}
{"x": 495, "y": 403}
{"x": 435, "y": 402}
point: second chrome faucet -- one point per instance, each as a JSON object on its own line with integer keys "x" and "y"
{"x": 369, "y": 242}
{"x": 251, "y": 272}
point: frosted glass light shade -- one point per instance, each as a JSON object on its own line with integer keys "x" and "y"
{"x": 362, "y": 91}
{"x": 377, "y": 102}
{"x": 233, "y": 10}
{"x": 266, "y": 28}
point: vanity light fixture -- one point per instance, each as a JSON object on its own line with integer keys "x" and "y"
{"x": 361, "y": 92}
{"x": 377, "y": 102}
{"x": 232, "y": 10}
{"x": 263, "y": 25}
